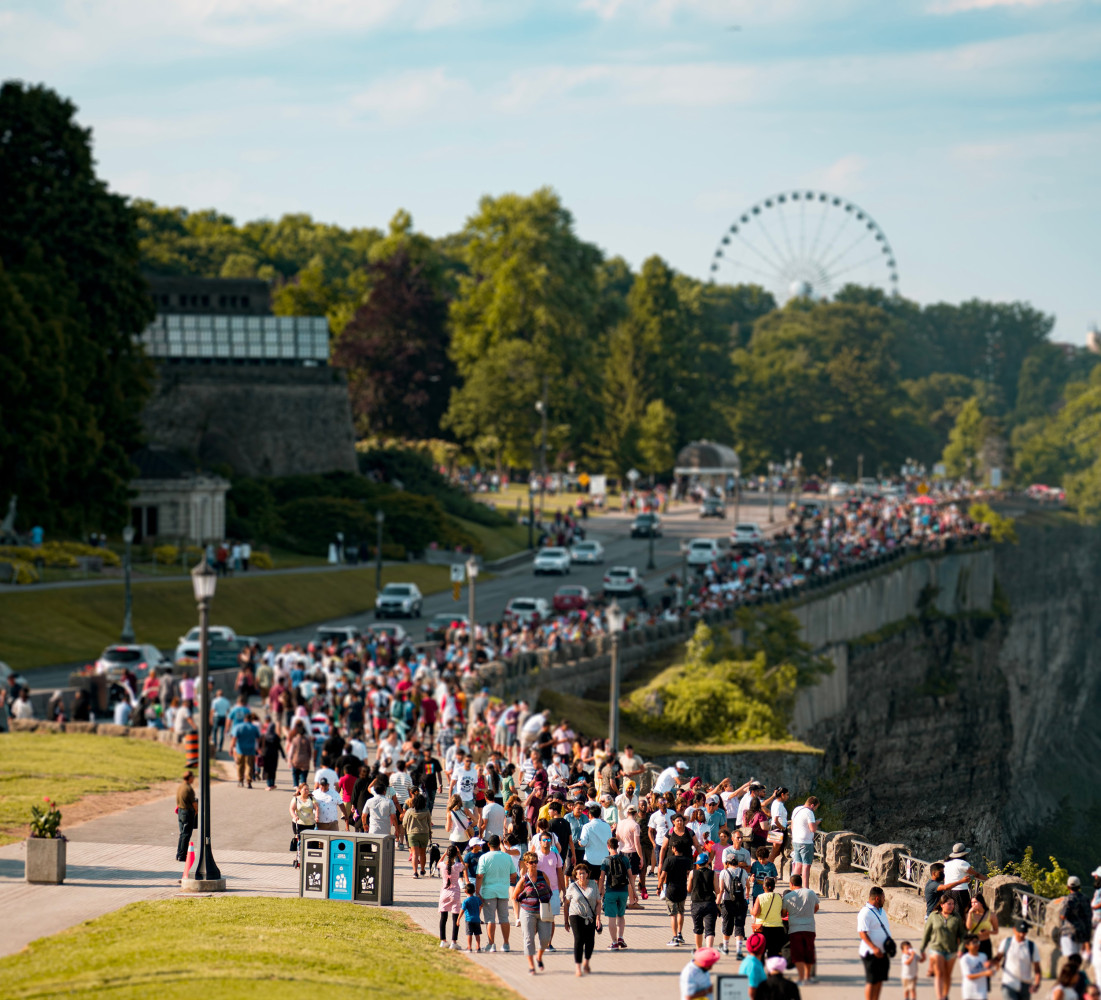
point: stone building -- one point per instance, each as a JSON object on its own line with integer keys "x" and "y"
{"x": 175, "y": 501}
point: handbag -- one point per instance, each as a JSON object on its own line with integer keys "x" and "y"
{"x": 889, "y": 946}
{"x": 775, "y": 836}
{"x": 544, "y": 907}
{"x": 758, "y": 922}
{"x": 294, "y": 844}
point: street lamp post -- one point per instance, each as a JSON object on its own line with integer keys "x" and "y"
{"x": 771, "y": 467}
{"x": 859, "y": 467}
{"x": 471, "y": 576}
{"x": 829, "y": 483}
{"x": 205, "y": 876}
{"x": 380, "y": 517}
{"x": 541, "y": 407}
{"x": 737, "y": 493}
{"x": 531, "y": 515}
{"x": 127, "y": 619}
{"x": 616, "y": 619}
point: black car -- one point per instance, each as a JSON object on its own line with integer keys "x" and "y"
{"x": 713, "y": 507}
{"x": 646, "y": 526}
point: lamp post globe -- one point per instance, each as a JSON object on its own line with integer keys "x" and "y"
{"x": 205, "y": 876}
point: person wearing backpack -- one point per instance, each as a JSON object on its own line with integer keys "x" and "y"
{"x": 614, "y": 885}
{"x": 1019, "y": 959}
{"x": 732, "y": 900}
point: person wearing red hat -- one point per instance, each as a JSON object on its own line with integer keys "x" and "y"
{"x": 695, "y": 977}
{"x": 753, "y": 966}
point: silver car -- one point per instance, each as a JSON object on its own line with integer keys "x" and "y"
{"x": 587, "y": 553}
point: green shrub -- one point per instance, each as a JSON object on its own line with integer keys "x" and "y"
{"x": 1051, "y": 884}
{"x": 22, "y": 571}
{"x": 1002, "y": 529}
{"x": 261, "y": 560}
{"x": 166, "y": 555}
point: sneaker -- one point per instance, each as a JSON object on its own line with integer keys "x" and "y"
{"x": 622, "y": 944}
{"x": 455, "y": 946}
{"x": 490, "y": 947}
{"x": 505, "y": 947}
{"x": 680, "y": 939}
{"x": 443, "y": 944}
{"x": 614, "y": 946}
{"x": 724, "y": 948}
{"x": 672, "y": 943}
{"x": 551, "y": 948}
{"x": 645, "y": 895}
{"x": 740, "y": 955}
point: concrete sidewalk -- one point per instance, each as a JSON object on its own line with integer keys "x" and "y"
{"x": 130, "y": 856}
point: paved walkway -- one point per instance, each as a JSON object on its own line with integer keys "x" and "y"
{"x": 129, "y": 856}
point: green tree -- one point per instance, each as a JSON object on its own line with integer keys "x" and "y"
{"x": 657, "y": 443}
{"x": 74, "y": 295}
{"x": 967, "y": 451}
{"x": 526, "y": 308}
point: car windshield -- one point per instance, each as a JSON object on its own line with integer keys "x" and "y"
{"x": 447, "y": 619}
{"x": 523, "y": 605}
{"x": 122, "y": 655}
{"x": 702, "y": 545}
{"x": 747, "y": 527}
{"x": 570, "y": 591}
{"x": 395, "y": 590}
{"x": 586, "y": 546}
{"x": 620, "y": 572}
{"x": 554, "y": 553}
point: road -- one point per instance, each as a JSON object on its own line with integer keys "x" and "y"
{"x": 612, "y": 530}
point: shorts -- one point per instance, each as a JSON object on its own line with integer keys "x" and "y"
{"x": 468, "y": 803}
{"x": 802, "y": 854}
{"x": 674, "y": 906}
{"x": 876, "y": 970}
{"x": 703, "y": 918}
{"x": 615, "y": 902}
{"x": 802, "y": 946}
{"x": 495, "y": 910}
{"x": 419, "y": 840}
{"x": 636, "y": 862}
{"x": 473, "y": 928}
{"x": 556, "y": 902}
{"x": 946, "y": 955}
{"x": 734, "y": 914}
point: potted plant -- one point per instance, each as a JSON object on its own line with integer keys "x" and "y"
{"x": 46, "y": 846}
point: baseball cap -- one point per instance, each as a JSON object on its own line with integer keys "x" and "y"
{"x": 322, "y": 780}
{"x": 631, "y": 809}
{"x": 682, "y": 766}
{"x": 706, "y": 957}
{"x": 1022, "y": 926}
{"x": 1096, "y": 873}
{"x": 715, "y": 799}
{"x": 702, "y": 858}
{"x": 1074, "y": 882}
{"x": 476, "y": 842}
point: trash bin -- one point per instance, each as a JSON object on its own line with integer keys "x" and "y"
{"x": 374, "y": 870}
{"x": 315, "y": 866}
{"x": 341, "y": 871}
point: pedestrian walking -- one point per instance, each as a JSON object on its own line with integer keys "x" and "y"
{"x": 1074, "y": 919}
{"x": 299, "y": 753}
{"x": 804, "y": 825}
{"x": 801, "y": 905}
{"x": 703, "y": 890}
{"x": 732, "y": 901}
{"x": 453, "y": 877}
{"x": 303, "y": 817}
{"x": 614, "y": 885}
{"x": 874, "y": 930}
{"x": 768, "y": 912}
{"x": 417, "y": 824}
{"x": 271, "y": 749}
{"x": 328, "y": 806}
{"x": 494, "y": 875}
{"x": 243, "y": 738}
{"x": 531, "y": 896}
{"x": 582, "y": 910}
{"x": 695, "y": 977}
{"x": 942, "y": 939}
{"x": 187, "y": 814}
{"x": 753, "y": 965}
{"x": 776, "y": 986}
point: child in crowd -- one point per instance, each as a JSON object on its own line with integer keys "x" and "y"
{"x": 976, "y": 969}
{"x": 472, "y": 912}
{"x": 909, "y": 970}
{"x": 762, "y": 869}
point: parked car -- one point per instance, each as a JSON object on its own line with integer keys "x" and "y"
{"x": 438, "y": 625}
{"x": 339, "y": 635}
{"x": 552, "y": 560}
{"x": 399, "y": 599}
{"x": 839, "y": 490}
{"x": 869, "y": 487}
{"x": 811, "y": 486}
{"x": 217, "y": 634}
{"x": 713, "y": 507}
{"x": 622, "y": 581}
{"x": 527, "y": 610}
{"x": 139, "y": 659}
{"x": 571, "y": 598}
{"x": 589, "y": 553}
{"x": 646, "y": 525}
{"x": 702, "y": 551}
{"x": 747, "y": 533}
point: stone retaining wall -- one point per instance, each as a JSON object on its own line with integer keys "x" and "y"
{"x": 101, "y": 728}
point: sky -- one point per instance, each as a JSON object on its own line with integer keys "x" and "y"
{"x": 970, "y": 130}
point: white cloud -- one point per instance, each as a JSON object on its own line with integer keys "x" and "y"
{"x": 958, "y": 6}
{"x": 844, "y": 174}
{"x": 414, "y": 95}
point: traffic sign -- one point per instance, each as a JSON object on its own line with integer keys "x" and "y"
{"x": 458, "y": 572}
{"x": 456, "y": 591}
{"x": 923, "y": 488}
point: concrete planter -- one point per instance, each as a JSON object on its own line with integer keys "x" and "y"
{"x": 46, "y": 860}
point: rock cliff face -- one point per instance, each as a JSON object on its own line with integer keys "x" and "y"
{"x": 979, "y": 727}
{"x": 261, "y": 420}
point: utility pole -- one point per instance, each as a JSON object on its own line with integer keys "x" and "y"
{"x": 859, "y": 468}
{"x": 541, "y": 406}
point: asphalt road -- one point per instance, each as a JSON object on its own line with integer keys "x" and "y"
{"x": 491, "y": 596}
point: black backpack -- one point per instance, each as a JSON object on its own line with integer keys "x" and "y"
{"x": 618, "y": 877}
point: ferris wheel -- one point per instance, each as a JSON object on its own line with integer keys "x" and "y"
{"x": 805, "y": 243}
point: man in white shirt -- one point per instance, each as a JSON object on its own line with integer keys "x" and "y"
{"x": 1020, "y": 962}
{"x": 631, "y": 764}
{"x": 493, "y": 820}
{"x": 671, "y": 777}
{"x": 328, "y": 805}
{"x": 330, "y": 776}
{"x": 463, "y": 779}
{"x": 874, "y": 928}
{"x": 387, "y": 753}
{"x": 594, "y": 839}
{"x": 530, "y": 731}
{"x": 658, "y": 827}
{"x": 779, "y": 815}
{"x": 804, "y": 824}
{"x": 379, "y": 813}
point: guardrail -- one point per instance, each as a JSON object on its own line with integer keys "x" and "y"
{"x": 819, "y": 844}
{"x": 861, "y": 854}
{"x": 1030, "y": 908}
{"x": 913, "y": 871}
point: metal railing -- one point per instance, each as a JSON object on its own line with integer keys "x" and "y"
{"x": 820, "y": 845}
{"x": 1029, "y": 908}
{"x": 913, "y": 871}
{"x": 861, "y": 854}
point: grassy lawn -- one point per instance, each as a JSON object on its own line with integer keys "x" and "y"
{"x": 278, "y": 949}
{"x": 506, "y": 500}
{"x": 39, "y": 628}
{"x": 498, "y": 542}
{"x": 69, "y": 766}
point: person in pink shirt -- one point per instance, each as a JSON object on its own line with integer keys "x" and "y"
{"x": 628, "y": 834}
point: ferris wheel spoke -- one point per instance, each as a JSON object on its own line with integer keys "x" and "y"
{"x": 853, "y": 267}
{"x": 802, "y": 226}
{"x": 771, "y": 263}
{"x": 836, "y": 259}
{"x": 826, "y": 250}
{"x": 772, "y": 243}
{"x": 756, "y": 270}
{"x": 784, "y": 227}
{"x": 818, "y": 232}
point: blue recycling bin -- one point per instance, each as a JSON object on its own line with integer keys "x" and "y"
{"x": 341, "y": 868}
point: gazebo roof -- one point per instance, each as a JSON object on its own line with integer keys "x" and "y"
{"x": 706, "y": 458}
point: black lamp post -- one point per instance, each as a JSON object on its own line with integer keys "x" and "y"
{"x": 205, "y": 877}
{"x": 379, "y": 518}
{"x": 127, "y": 619}
{"x": 531, "y": 515}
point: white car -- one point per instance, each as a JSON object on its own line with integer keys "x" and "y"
{"x": 552, "y": 560}
{"x": 839, "y": 490}
{"x": 702, "y": 551}
{"x": 399, "y": 599}
{"x": 138, "y": 659}
{"x": 187, "y": 646}
{"x": 590, "y": 553}
{"x": 746, "y": 534}
{"x": 622, "y": 581}
{"x": 527, "y": 610}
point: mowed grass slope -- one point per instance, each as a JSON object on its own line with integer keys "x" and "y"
{"x": 69, "y": 766}
{"x": 42, "y": 627}
{"x": 227, "y": 948}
